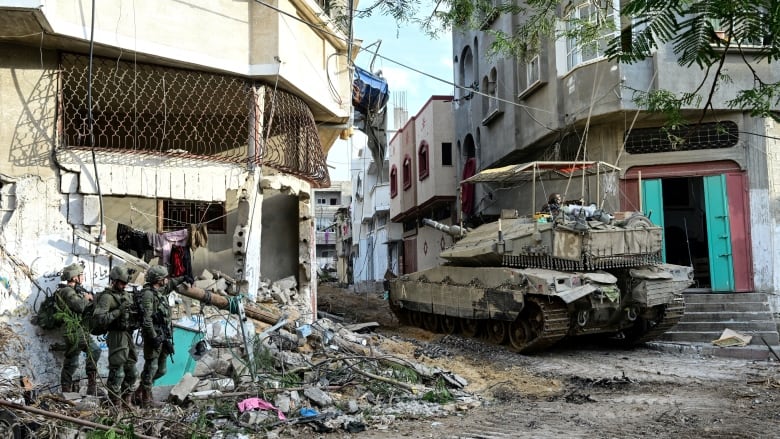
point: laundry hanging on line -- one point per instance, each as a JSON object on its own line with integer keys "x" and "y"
{"x": 140, "y": 242}
{"x": 132, "y": 240}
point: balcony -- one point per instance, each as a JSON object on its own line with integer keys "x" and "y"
{"x": 381, "y": 197}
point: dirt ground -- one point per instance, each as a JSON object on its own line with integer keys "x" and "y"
{"x": 575, "y": 390}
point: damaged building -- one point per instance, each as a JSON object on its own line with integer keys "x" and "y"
{"x": 162, "y": 133}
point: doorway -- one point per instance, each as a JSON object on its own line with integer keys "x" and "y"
{"x": 694, "y": 214}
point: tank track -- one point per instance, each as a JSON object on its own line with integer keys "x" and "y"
{"x": 556, "y": 324}
{"x": 554, "y": 317}
{"x": 672, "y": 314}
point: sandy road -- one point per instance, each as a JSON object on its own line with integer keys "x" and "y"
{"x": 581, "y": 391}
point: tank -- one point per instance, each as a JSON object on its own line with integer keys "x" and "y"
{"x": 532, "y": 281}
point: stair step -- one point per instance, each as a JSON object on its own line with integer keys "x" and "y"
{"x": 720, "y": 326}
{"x": 725, "y": 297}
{"x": 727, "y": 316}
{"x": 708, "y": 336}
{"x": 707, "y": 315}
{"x": 731, "y": 306}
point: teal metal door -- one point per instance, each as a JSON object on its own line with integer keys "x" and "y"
{"x": 181, "y": 362}
{"x": 718, "y": 233}
{"x": 653, "y": 204}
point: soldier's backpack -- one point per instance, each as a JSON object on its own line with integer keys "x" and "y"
{"x": 89, "y": 321}
{"x": 95, "y": 328}
{"x": 47, "y": 316}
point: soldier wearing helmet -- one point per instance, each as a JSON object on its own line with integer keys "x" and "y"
{"x": 114, "y": 309}
{"x": 156, "y": 330}
{"x": 77, "y": 340}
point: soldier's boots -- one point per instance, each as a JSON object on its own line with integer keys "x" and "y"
{"x": 92, "y": 384}
{"x": 144, "y": 394}
{"x": 115, "y": 399}
{"x": 138, "y": 396}
{"x": 127, "y": 397}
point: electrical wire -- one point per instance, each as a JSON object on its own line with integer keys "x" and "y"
{"x": 91, "y": 121}
{"x": 320, "y": 29}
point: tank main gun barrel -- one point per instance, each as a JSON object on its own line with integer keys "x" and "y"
{"x": 453, "y": 230}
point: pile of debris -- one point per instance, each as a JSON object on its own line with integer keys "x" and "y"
{"x": 260, "y": 369}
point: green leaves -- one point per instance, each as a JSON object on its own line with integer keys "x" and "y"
{"x": 668, "y": 103}
{"x": 762, "y": 101}
{"x": 702, "y": 34}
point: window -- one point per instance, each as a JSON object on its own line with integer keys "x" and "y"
{"x": 589, "y": 13}
{"x": 321, "y": 200}
{"x": 446, "y": 154}
{"x": 466, "y": 78}
{"x": 532, "y": 71}
{"x": 334, "y": 201}
{"x": 393, "y": 181}
{"x": 688, "y": 138}
{"x": 179, "y": 214}
{"x": 492, "y": 90}
{"x": 422, "y": 161}
{"x": 406, "y": 172}
{"x": 491, "y": 105}
{"x": 322, "y": 223}
{"x": 741, "y": 35}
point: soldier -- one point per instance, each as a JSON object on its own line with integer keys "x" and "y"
{"x": 553, "y": 205}
{"x": 72, "y": 299}
{"x": 114, "y": 309}
{"x": 156, "y": 329}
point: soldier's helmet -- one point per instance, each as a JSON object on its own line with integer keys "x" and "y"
{"x": 119, "y": 273}
{"x": 71, "y": 271}
{"x": 156, "y": 273}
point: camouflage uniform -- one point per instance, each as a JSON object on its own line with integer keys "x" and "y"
{"x": 114, "y": 310}
{"x": 157, "y": 331}
{"x": 77, "y": 340}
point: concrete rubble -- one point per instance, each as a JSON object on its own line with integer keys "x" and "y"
{"x": 287, "y": 378}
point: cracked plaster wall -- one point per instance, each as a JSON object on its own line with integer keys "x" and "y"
{"x": 40, "y": 204}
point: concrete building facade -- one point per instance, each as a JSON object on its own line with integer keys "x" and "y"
{"x": 161, "y": 117}
{"x": 374, "y": 237}
{"x": 327, "y": 203}
{"x": 712, "y": 183}
{"x": 423, "y": 184}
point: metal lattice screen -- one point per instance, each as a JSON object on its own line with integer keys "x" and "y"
{"x": 149, "y": 109}
{"x": 701, "y": 136}
{"x": 291, "y": 138}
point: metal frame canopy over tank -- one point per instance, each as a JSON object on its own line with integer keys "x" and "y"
{"x": 532, "y": 283}
{"x": 533, "y": 171}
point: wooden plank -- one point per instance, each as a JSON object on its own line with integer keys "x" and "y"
{"x": 127, "y": 257}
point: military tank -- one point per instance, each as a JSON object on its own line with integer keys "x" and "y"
{"x": 532, "y": 281}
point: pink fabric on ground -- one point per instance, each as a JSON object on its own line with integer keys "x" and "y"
{"x": 258, "y": 404}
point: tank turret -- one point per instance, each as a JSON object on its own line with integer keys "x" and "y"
{"x": 453, "y": 230}
{"x": 531, "y": 281}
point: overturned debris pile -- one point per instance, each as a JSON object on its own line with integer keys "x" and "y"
{"x": 260, "y": 368}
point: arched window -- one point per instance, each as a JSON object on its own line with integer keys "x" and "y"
{"x": 466, "y": 75}
{"x": 407, "y": 172}
{"x": 423, "y": 164}
{"x": 393, "y": 181}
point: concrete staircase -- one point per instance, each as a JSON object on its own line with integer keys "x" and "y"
{"x": 708, "y": 314}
